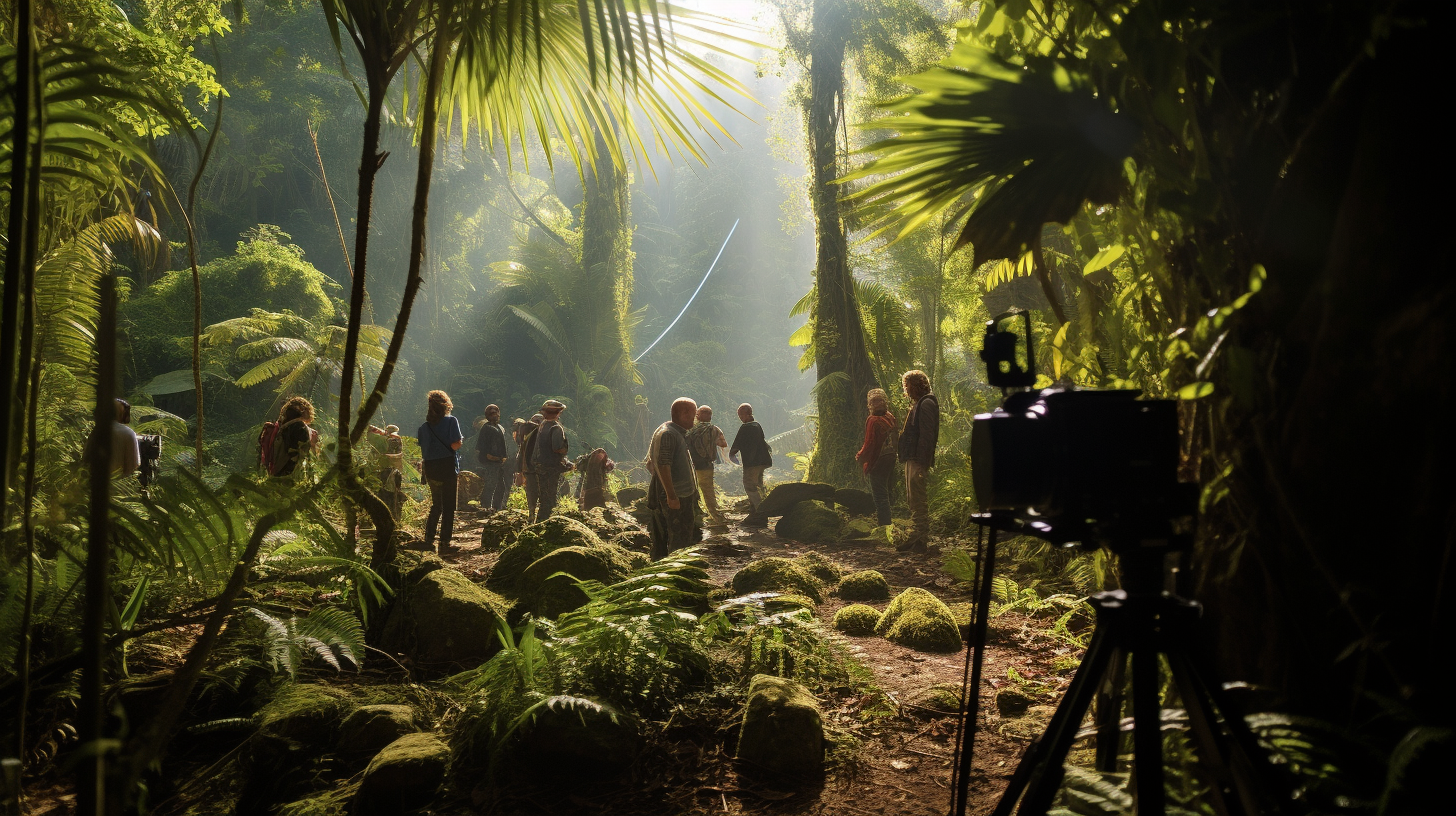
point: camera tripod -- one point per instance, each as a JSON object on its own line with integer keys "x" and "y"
{"x": 1142, "y": 623}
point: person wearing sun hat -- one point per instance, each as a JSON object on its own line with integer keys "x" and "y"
{"x": 549, "y": 460}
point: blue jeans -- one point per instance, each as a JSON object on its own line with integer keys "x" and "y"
{"x": 496, "y": 487}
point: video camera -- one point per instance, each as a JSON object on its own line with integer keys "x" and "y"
{"x": 150, "y": 448}
{"x": 1073, "y": 466}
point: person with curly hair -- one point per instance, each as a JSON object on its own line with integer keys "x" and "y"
{"x": 297, "y": 438}
{"x": 440, "y": 437}
{"x": 917, "y": 451}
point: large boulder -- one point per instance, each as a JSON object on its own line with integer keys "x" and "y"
{"x": 634, "y": 540}
{"x": 572, "y": 737}
{"x": 606, "y": 522}
{"x": 369, "y": 728}
{"x": 531, "y": 544}
{"x": 777, "y": 575}
{"x": 868, "y": 585}
{"x": 303, "y": 715}
{"x": 548, "y": 594}
{"x": 467, "y": 486}
{"x": 786, "y": 495}
{"x": 499, "y": 529}
{"x": 918, "y": 620}
{"x": 405, "y": 776}
{"x": 627, "y": 495}
{"x": 811, "y": 522}
{"x": 444, "y": 622}
{"x": 783, "y": 730}
{"x": 856, "y": 502}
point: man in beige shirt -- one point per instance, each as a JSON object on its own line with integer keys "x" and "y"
{"x": 706, "y": 445}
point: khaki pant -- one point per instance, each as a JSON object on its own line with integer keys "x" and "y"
{"x": 919, "y": 507}
{"x": 753, "y": 483}
{"x": 710, "y": 496}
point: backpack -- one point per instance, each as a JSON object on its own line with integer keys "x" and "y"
{"x": 890, "y": 445}
{"x": 703, "y": 442}
{"x": 528, "y": 451}
{"x": 267, "y": 442}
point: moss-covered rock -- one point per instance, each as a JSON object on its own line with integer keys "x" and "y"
{"x": 941, "y": 698}
{"x": 627, "y": 495}
{"x": 499, "y": 529}
{"x": 405, "y": 776}
{"x": 721, "y": 594}
{"x": 444, "y": 622}
{"x": 783, "y": 730}
{"x": 857, "y": 619}
{"x": 867, "y": 585}
{"x": 547, "y": 596}
{"x": 859, "y": 528}
{"x": 531, "y": 544}
{"x": 606, "y": 522}
{"x": 1012, "y": 701}
{"x": 786, "y": 495}
{"x": 636, "y": 541}
{"x": 918, "y": 620}
{"x": 961, "y": 611}
{"x": 306, "y": 714}
{"x": 856, "y": 502}
{"x": 574, "y": 737}
{"x": 820, "y": 566}
{"x": 1031, "y": 724}
{"x": 776, "y": 575}
{"x": 369, "y": 728}
{"x": 811, "y": 522}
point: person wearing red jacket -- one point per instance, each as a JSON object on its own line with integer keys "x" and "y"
{"x": 877, "y": 455}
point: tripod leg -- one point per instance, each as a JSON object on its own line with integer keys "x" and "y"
{"x": 1109, "y": 713}
{"x": 1147, "y": 733}
{"x": 1203, "y": 724}
{"x": 971, "y": 680}
{"x": 1258, "y": 788}
{"x": 1040, "y": 771}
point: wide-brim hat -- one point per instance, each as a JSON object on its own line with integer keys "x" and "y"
{"x": 552, "y": 407}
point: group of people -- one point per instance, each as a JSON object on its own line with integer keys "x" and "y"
{"x": 681, "y": 460}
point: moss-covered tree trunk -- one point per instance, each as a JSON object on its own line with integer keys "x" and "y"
{"x": 841, "y": 360}
{"x": 606, "y": 262}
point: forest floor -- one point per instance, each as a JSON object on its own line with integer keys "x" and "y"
{"x": 903, "y": 762}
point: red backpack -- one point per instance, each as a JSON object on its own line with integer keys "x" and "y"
{"x": 268, "y": 440}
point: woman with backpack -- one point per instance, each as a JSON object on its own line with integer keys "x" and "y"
{"x": 439, "y": 439}
{"x": 877, "y": 456}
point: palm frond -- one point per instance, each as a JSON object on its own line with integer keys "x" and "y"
{"x": 1015, "y": 147}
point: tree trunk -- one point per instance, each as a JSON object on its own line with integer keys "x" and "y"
{"x": 91, "y": 773}
{"x": 606, "y": 262}
{"x": 841, "y": 360}
{"x": 384, "y": 545}
{"x": 369, "y": 163}
{"x": 16, "y": 253}
{"x": 197, "y": 277}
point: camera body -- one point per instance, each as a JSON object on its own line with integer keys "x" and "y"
{"x": 1068, "y": 460}
{"x": 1068, "y": 465}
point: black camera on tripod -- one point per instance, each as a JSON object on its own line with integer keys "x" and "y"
{"x": 1100, "y": 468}
{"x": 1075, "y": 466}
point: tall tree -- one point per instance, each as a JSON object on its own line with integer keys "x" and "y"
{"x": 821, "y": 37}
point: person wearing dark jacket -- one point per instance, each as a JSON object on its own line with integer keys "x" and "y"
{"x": 756, "y": 454}
{"x": 917, "y": 451}
{"x": 440, "y": 438}
{"x": 490, "y": 450}
{"x": 548, "y": 459}
{"x": 877, "y": 455}
{"x": 525, "y": 471}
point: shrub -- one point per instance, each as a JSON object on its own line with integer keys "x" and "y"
{"x": 919, "y": 620}
{"x": 857, "y": 619}
{"x": 868, "y": 585}
{"x": 777, "y": 574}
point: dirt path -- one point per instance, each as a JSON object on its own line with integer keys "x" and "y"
{"x": 904, "y": 766}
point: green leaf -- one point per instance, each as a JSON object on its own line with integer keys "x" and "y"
{"x": 1193, "y": 391}
{"x": 173, "y": 382}
{"x": 1104, "y": 258}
